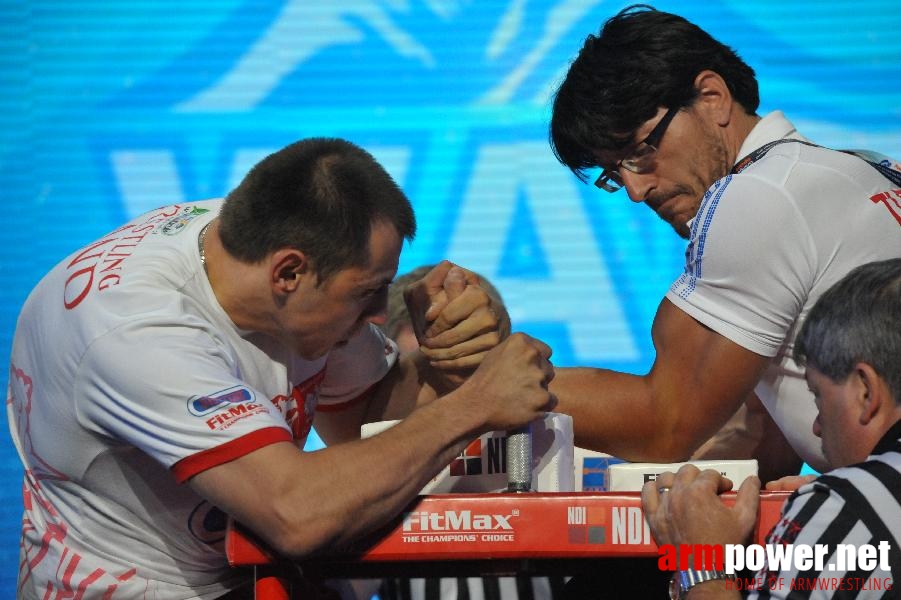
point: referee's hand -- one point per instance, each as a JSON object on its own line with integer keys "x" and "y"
{"x": 685, "y": 508}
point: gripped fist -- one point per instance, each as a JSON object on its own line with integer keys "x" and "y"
{"x": 455, "y": 320}
{"x": 511, "y": 384}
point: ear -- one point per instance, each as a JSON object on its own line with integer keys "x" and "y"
{"x": 871, "y": 393}
{"x": 714, "y": 96}
{"x": 287, "y": 267}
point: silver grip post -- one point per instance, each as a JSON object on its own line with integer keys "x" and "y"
{"x": 519, "y": 459}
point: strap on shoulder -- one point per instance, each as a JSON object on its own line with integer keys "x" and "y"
{"x": 888, "y": 172}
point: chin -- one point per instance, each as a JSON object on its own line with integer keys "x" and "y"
{"x": 679, "y": 225}
{"x": 835, "y": 462}
{"x": 311, "y": 355}
{"x": 681, "y": 228}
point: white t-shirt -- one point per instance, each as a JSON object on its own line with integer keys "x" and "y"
{"x": 768, "y": 241}
{"x": 127, "y": 379}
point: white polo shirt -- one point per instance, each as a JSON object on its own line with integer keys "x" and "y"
{"x": 127, "y": 379}
{"x": 768, "y": 241}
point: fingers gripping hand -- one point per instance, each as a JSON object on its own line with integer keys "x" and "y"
{"x": 445, "y": 316}
{"x": 427, "y": 298}
{"x": 458, "y": 321}
{"x": 684, "y": 508}
{"x": 465, "y": 298}
{"x": 467, "y": 326}
{"x": 511, "y": 384}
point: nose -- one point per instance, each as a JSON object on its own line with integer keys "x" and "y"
{"x": 638, "y": 186}
{"x": 817, "y": 427}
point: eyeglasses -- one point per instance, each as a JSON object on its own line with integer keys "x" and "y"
{"x": 641, "y": 160}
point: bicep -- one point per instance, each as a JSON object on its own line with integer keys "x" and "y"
{"x": 249, "y": 487}
{"x": 702, "y": 376}
{"x": 698, "y": 380}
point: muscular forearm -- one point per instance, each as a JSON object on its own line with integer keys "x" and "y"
{"x": 386, "y": 472}
{"x": 304, "y": 503}
{"x": 615, "y": 413}
{"x": 633, "y": 417}
{"x": 698, "y": 380}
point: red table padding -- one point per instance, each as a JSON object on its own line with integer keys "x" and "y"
{"x": 455, "y": 527}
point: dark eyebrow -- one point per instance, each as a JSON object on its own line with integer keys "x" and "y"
{"x": 385, "y": 281}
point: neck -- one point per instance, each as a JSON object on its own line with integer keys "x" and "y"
{"x": 889, "y": 439}
{"x": 234, "y": 282}
{"x": 742, "y": 125}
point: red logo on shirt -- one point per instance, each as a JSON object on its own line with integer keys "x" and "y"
{"x": 300, "y": 407}
{"x": 224, "y": 419}
{"x": 892, "y": 201}
{"x": 103, "y": 260}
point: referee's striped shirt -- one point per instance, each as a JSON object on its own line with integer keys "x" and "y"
{"x": 855, "y": 505}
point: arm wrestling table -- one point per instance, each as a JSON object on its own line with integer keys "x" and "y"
{"x": 535, "y": 533}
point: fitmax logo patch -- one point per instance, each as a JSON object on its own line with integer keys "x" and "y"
{"x": 204, "y": 405}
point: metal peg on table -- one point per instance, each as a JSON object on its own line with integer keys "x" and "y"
{"x": 519, "y": 459}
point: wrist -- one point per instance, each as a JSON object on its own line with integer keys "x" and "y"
{"x": 461, "y": 410}
{"x": 442, "y": 380}
{"x": 684, "y": 582}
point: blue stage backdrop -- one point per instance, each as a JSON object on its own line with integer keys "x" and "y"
{"x": 113, "y": 108}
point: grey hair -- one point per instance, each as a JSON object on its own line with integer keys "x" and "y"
{"x": 858, "y": 319}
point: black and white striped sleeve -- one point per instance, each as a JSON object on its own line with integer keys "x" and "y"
{"x": 838, "y": 514}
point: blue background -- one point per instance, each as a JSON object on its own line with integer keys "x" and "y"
{"x": 112, "y": 108}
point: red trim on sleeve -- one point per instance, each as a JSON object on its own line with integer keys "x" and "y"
{"x": 206, "y": 459}
{"x": 339, "y": 406}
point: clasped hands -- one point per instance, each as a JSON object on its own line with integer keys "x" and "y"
{"x": 455, "y": 320}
